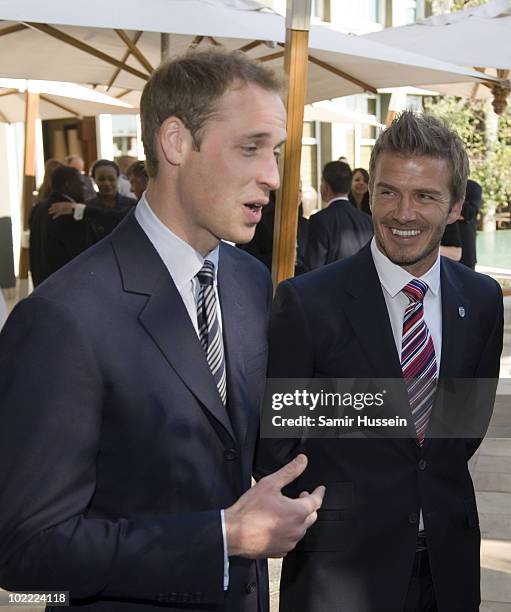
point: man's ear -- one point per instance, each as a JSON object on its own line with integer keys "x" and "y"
{"x": 175, "y": 140}
{"x": 455, "y": 212}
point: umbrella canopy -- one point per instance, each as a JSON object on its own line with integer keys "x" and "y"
{"x": 121, "y": 46}
{"x": 472, "y": 37}
{"x": 56, "y": 100}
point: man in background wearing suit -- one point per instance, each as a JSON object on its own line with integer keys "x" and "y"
{"x": 398, "y": 529}
{"x": 340, "y": 230}
{"x": 130, "y": 380}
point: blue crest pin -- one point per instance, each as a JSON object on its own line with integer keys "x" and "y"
{"x": 461, "y": 311}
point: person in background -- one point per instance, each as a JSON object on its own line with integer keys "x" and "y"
{"x": 359, "y": 192}
{"x": 339, "y": 230}
{"x": 450, "y": 245}
{"x": 45, "y": 188}
{"x": 105, "y": 211}
{"x": 53, "y": 243}
{"x": 124, "y": 162}
{"x": 468, "y": 223}
{"x": 138, "y": 178}
{"x": 261, "y": 245}
{"x": 106, "y": 174}
{"x": 75, "y": 161}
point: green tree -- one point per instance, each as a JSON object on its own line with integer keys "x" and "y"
{"x": 491, "y": 167}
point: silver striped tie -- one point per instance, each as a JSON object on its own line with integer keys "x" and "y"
{"x": 210, "y": 334}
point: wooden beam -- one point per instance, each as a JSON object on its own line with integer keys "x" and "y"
{"x": 123, "y": 93}
{"x": 214, "y": 42}
{"x": 123, "y": 60}
{"x": 196, "y": 42}
{"x": 286, "y": 210}
{"x": 342, "y": 74}
{"x": 9, "y": 92}
{"x": 4, "y": 118}
{"x": 135, "y": 50}
{"x": 61, "y": 106}
{"x": 251, "y": 45}
{"x": 31, "y": 109}
{"x": 13, "y": 29}
{"x": 272, "y": 56}
{"x": 78, "y": 44}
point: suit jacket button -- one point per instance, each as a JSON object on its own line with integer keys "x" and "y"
{"x": 422, "y": 464}
{"x": 231, "y": 454}
{"x": 413, "y": 518}
{"x": 251, "y": 588}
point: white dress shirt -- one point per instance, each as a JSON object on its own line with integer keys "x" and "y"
{"x": 183, "y": 263}
{"x": 393, "y": 278}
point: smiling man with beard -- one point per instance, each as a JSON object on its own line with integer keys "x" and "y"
{"x": 398, "y": 529}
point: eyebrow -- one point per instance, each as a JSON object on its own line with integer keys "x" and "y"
{"x": 262, "y": 136}
{"x": 420, "y": 190}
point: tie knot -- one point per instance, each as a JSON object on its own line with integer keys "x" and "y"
{"x": 206, "y": 274}
{"x": 415, "y": 290}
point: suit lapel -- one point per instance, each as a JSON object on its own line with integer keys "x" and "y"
{"x": 455, "y": 322}
{"x": 165, "y": 317}
{"x": 367, "y": 312}
{"x": 232, "y": 330}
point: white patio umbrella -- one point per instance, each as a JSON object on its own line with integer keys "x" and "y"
{"x": 56, "y": 100}
{"x": 472, "y": 37}
{"x": 90, "y": 46}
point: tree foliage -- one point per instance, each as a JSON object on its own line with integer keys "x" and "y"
{"x": 490, "y": 163}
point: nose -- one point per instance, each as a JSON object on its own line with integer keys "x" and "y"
{"x": 269, "y": 174}
{"x": 405, "y": 210}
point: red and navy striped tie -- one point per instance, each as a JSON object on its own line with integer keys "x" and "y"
{"x": 418, "y": 360}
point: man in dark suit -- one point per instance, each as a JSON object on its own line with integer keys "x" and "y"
{"x": 398, "y": 529}
{"x": 340, "y": 230}
{"x": 55, "y": 242}
{"x": 130, "y": 381}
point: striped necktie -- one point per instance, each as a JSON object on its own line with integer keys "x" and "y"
{"x": 210, "y": 334}
{"x": 418, "y": 360}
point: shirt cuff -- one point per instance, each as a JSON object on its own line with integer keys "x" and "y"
{"x": 78, "y": 210}
{"x": 226, "y": 556}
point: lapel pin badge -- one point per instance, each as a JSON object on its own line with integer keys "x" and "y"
{"x": 461, "y": 311}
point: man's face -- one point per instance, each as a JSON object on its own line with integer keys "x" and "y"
{"x": 138, "y": 185}
{"x": 411, "y": 205}
{"x": 223, "y": 186}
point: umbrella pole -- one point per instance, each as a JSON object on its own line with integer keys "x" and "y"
{"x": 31, "y": 110}
{"x": 286, "y": 211}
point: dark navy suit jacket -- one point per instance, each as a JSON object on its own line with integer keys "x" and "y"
{"x": 333, "y": 323}
{"x": 116, "y": 452}
{"x": 335, "y": 233}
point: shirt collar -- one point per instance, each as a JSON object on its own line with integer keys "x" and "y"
{"x": 393, "y": 277}
{"x": 342, "y": 197}
{"x": 182, "y": 260}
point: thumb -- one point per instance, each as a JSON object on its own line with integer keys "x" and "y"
{"x": 289, "y": 472}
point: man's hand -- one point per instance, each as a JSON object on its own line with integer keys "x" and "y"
{"x": 57, "y": 209}
{"x": 265, "y": 523}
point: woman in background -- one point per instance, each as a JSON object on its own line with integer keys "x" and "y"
{"x": 359, "y": 194}
{"x": 45, "y": 188}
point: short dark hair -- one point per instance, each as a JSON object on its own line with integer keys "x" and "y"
{"x": 62, "y": 176}
{"x": 137, "y": 169}
{"x": 100, "y": 163}
{"x": 417, "y": 135}
{"x": 190, "y": 87}
{"x": 337, "y": 175}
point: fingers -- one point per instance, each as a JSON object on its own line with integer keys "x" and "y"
{"x": 289, "y": 472}
{"x": 310, "y": 502}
